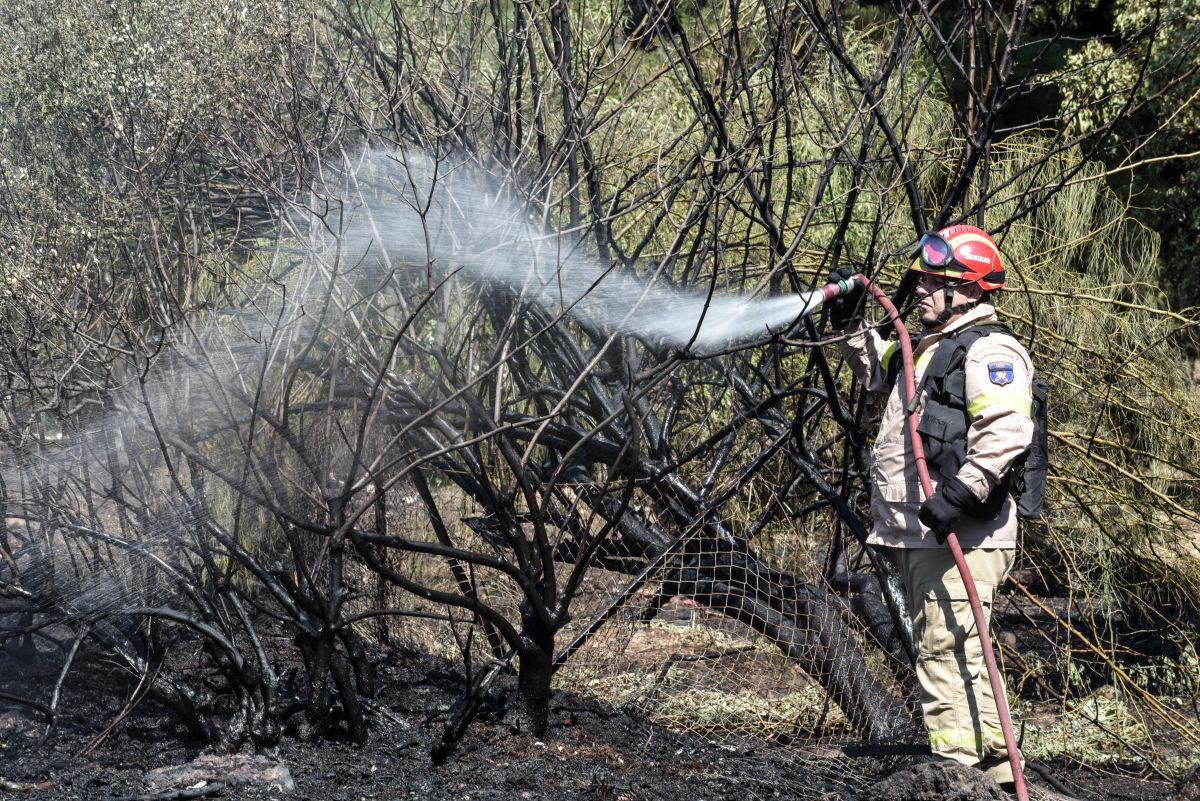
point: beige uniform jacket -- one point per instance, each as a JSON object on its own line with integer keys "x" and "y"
{"x": 999, "y": 400}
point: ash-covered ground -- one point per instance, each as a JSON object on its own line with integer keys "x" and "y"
{"x": 590, "y": 752}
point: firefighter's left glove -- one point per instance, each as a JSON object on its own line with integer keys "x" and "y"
{"x": 943, "y": 509}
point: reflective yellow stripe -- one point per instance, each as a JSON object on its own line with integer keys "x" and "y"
{"x": 967, "y": 739}
{"x": 986, "y": 399}
{"x": 888, "y": 351}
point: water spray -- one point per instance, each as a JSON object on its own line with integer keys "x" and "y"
{"x": 476, "y": 231}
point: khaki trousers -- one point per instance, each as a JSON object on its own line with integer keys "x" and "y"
{"x": 956, "y": 696}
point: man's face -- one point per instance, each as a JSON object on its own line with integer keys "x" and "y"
{"x": 933, "y": 299}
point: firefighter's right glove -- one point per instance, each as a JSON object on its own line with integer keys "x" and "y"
{"x": 943, "y": 509}
{"x": 845, "y": 307}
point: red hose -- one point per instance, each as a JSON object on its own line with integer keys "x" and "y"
{"x": 985, "y": 639}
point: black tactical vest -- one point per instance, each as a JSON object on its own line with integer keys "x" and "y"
{"x": 944, "y": 424}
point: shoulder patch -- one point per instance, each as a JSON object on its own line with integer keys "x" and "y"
{"x": 1000, "y": 373}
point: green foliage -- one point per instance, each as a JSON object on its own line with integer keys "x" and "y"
{"x": 1154, "y": 166}
{"x": 99, "y": 104}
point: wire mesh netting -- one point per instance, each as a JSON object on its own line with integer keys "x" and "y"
{"x": 691, "y": 668}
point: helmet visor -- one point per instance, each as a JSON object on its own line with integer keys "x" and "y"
{"x": 933, "y": 251}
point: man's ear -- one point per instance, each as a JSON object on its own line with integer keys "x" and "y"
{"x": 972, "y": 290}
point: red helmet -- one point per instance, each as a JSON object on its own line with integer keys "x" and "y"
{"x": 961, "y": 252}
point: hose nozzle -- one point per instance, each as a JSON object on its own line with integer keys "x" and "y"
{"x": 813, "y": 300}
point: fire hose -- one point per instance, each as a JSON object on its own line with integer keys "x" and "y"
{"x": 828, "y": 292}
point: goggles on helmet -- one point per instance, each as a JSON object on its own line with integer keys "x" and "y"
{"x": 934, "y": 251}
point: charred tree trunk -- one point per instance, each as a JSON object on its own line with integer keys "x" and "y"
{"x": 531, "y": 710}
{"x": 381, "y": 585}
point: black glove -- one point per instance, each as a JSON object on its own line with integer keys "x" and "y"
{"x": 945, "y": 507}
{"x": 845, "y": 307}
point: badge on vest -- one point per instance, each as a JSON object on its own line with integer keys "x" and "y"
{"x": 1001, "y": 373}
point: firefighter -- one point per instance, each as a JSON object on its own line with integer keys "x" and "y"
{"x": 973, "y": 382}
